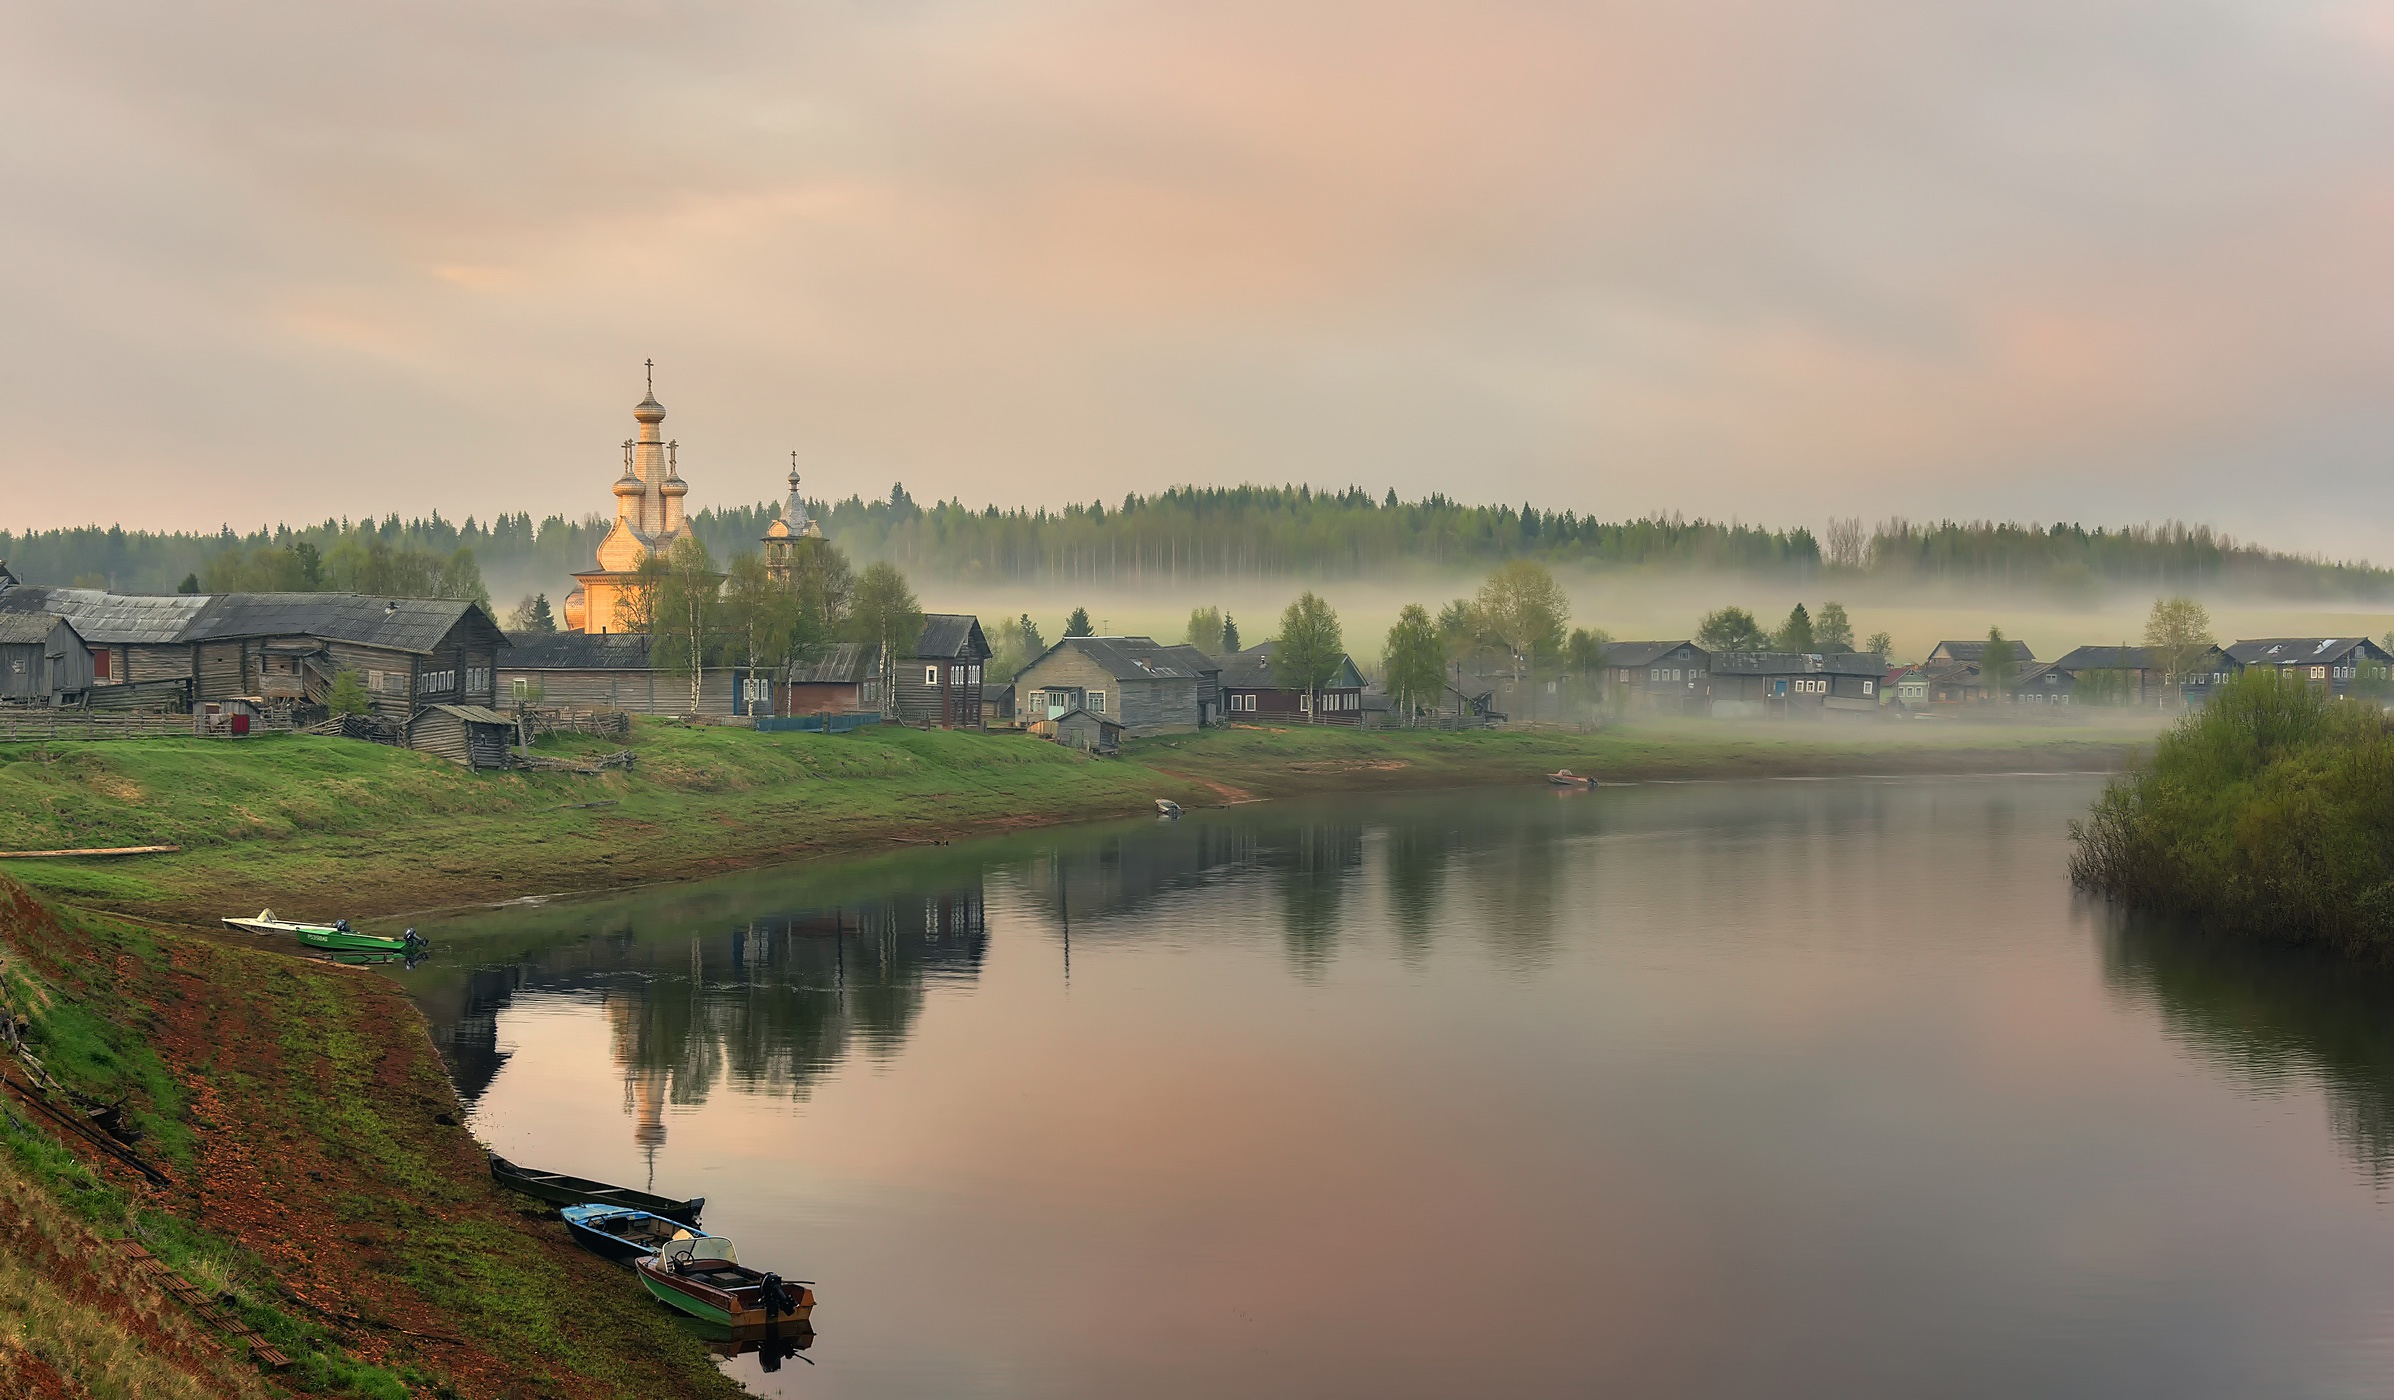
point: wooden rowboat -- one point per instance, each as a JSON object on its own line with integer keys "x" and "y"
{"x": 1564, "y": 777}
{"x": 574, "y": 1190}
{"x": 623, "y": 1234}
{"x": 705, "y": 1279}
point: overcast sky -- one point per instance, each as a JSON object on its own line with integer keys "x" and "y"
{"x": 1777, "y": 260}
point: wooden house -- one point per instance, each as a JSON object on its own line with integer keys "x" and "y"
{"x": 286, "y": 648}
{"x": 836, "y": 679}
{"x": 1782, "y": 684}
{"x": 1251, "y": 691}
{"x": 605, "y": 671}
{"x": 1672, "y": 678}
{"x": 43, "y": 660}
{"x": 1076, "y": 728}
{"x": 1971, "y": 653}
{"x": 2334, "y": 662}
{"x": 134, "y": 638}
{"x": 938, "y": 683}
{"x": 1149, "y": 686}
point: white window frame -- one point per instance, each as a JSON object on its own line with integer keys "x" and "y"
{"x": 1097, "y": 702}
{"x": 956, "y": 675}
{"x": 931, "y": 675}
{"x": 519, "y": 687}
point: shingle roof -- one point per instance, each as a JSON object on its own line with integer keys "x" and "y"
{"x": 1252, "y": 670}
{"x": 1643, "y": 653}
{"x": 1796, "y": 663}
{"x": 954, "y": 636}
{"x": 842, "y": 663}
{"x": 2122, "y": 658}
{"x": 1976, "y": 650}
{"x": 1136, "y": 658}
{"x": 415, "y": 625}
{"x": 28, "y": 628}
{"x": 2289, "y": 651}
{"x": 577, "y": 651}
{"x": 112, "y": 619}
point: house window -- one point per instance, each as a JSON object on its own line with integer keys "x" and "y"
{"x": 930, "y": 675}
{"x": 520, "y": 687}
{"x": 477, "y": 677}
{"x": 871, "y": 692}
{"x": 1866, "y": 687}
{"x": 955, "y": 675}
{"x": 1097, "y": 702}
{"x": 1038, "y": 699}
{"x": 434, "y": 682}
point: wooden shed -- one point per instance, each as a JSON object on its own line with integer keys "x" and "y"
{"x": 43, "y": 660}
{"x": 472, "y": 735}
{"x": 837, "y": 678}
{"x": 605, "y": 671}
{"x": 939, "y": 681}
{"x": 1079, "y": 729}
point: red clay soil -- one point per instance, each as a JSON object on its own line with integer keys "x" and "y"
{"x": 328, "y": 1146}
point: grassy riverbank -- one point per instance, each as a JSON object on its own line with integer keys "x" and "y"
{"x": 328, "y": 826}
{"x": 2270, "y": 814}
{"x": 320, "y": 1189}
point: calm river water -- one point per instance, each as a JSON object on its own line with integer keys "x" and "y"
{"x": 1756, "y": 1089}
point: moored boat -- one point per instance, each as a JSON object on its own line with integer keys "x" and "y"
{"x": 704, "y": 1278}
{"x": 335, "y": 937}
{"x": 1564, "y": 777}
{"x": 622, "y": 1233}
{"x": 574, "y": 1190}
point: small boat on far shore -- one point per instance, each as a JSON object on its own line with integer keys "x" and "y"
{"x": 335, "y": 937}
{"x": 1564, "y": 777}
{"x": 575, "y": 1190}
{"x": 705, "y": 1278}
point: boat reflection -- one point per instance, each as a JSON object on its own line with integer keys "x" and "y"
{"x": 771, "y": 1344}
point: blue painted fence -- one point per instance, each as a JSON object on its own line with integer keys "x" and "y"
{"x": 816, "y": 724}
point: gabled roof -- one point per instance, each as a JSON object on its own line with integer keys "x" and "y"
{"x": 578, "y": 651}
{"x": 1136, "y": 658}
{"x": 1107, "y": 720}
{"x": 1796, "y": 663}
{"x": 417, "y": 625}
{"x": 842, "y": 663}
{"x": 951, "y": 636}
{"x": 1644, "y": 653}
{"x": 2300, "y": 651}
{"x": 2121, "y": 658}
{"x": 112, "y": 619}
{"x": 1977, "y": 651}
{"x": 1252, "y": 670}
{"x": 30, "y": 628}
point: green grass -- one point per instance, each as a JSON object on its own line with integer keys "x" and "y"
{"x": 329, "y": 826}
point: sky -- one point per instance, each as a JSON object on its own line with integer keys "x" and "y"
{"x": 1775, "y": 260}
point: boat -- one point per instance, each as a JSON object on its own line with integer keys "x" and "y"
{"x": 1564, "y": 777}
{"x": 335, "y": 937}
{"x": 575, "y": 1191}
{"x": 705, "y": 1278}
{"x": 1167, "y": 807}
{"x": 624, "y": 1233}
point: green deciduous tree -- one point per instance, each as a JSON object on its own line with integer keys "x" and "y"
{"x": 1415, "y": 661}
{"x": 1731, "y": 629}
{"x": 1587, "y": 649}
{"x": 884, "y": 615}
{"x": 2177, "y": 638}
{"x": 1205, "y": 630}
{"x": 1880, "y": 645}
{"x": 763, "y": 616}
{"x": 348, "y": 695}
{"x": 1523, "y": 608}
{"x": 676, "y": 598}
{"x": 1310, "y": 648}
{"x": 1833, "y": 629}
{"x": 1997, "y": 668}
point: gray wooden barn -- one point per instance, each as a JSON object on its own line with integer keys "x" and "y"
{"x": 43, "y": 660}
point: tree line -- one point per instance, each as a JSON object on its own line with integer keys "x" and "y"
{"x": 1193, "y": 534}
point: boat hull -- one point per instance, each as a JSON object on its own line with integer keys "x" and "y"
{"x": 735, "y": 1307}
{"x": 588, "y": 1224}
{"x": 333, "y": 940}
{"x": 579, "y": 1191}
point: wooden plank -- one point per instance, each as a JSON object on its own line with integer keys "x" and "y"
{"x": 92, "y": 851}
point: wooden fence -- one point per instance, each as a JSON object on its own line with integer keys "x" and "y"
{"x": 26, "y": 725}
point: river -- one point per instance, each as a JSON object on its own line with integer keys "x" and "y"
{"x": 1738, "y": 1089}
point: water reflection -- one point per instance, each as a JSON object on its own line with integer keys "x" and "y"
{"x": 2272, "y": 1018}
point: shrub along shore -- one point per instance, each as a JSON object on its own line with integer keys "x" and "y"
{"x": 2269, "y": 814}
{"x": 319, "y": 1185}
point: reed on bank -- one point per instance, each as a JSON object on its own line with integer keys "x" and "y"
{"x": 2270, "y": 813}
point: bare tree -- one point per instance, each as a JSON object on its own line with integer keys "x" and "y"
{"x": 1845, "y": 542}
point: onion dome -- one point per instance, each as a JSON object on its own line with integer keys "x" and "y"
{"x": 628, "y": 484}
{"x": 574, "y": 610}
{"x": 649, "y": 410}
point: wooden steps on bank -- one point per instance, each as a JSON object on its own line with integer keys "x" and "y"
{"x": 212, "y": 1312}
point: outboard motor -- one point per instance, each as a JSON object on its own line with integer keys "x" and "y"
{"x": 778, "y": 1302}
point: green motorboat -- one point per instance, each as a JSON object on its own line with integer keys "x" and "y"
{"x": 336, "y": 937}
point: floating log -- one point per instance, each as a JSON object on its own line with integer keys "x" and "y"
{"x": 92, "y": 851}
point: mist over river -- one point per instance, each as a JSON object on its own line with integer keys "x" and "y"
{"x": 1729, "y": 1089}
